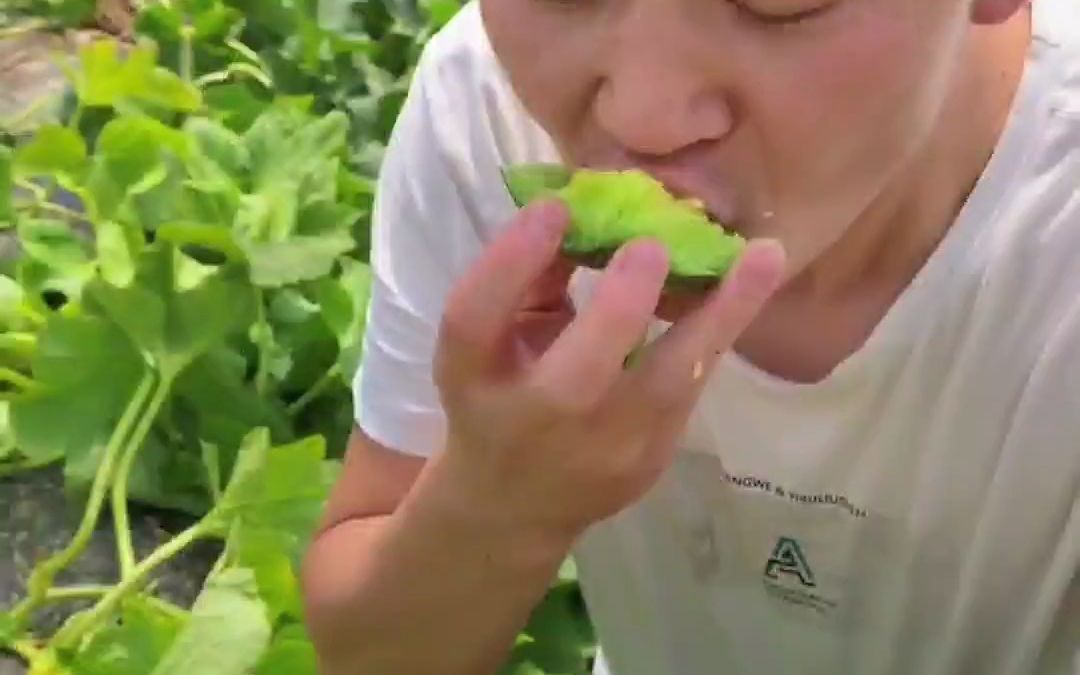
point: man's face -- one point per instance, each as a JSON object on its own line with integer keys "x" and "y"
{"x": 788, "y": 117}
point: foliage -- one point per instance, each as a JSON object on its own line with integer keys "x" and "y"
{"x": 61, "y": 13}
{"x": 190, "y": 300}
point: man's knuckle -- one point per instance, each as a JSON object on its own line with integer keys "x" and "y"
{"x": 458, "y": 328}
{"x": 548, "y": 397}
{"x": 621, "y": 312}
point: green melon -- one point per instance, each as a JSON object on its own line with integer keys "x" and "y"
{"x": 611, "y": 208}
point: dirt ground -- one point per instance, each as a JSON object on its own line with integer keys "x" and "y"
{"x": 28, "y": 70}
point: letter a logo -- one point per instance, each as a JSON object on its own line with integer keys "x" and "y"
{"x": 787, "y": 558}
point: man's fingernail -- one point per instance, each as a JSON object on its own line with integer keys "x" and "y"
{"x": 546, "y": 220}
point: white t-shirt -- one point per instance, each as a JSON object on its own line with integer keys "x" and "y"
{"x": 917, "y": 512}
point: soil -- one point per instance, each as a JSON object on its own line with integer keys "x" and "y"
{"x": 40, "y": 520}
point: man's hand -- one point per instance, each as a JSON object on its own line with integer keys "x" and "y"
{"x": 546, "y": 427}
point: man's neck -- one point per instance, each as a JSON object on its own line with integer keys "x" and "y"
{"x": 827, "y": 313}
{"x": 895, "y": 235}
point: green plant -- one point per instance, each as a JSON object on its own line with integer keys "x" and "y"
{"x": 183, "y": 322}
{"x": 45, "y": 13}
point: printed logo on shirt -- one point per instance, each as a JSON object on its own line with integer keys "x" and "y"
{"x": 788, "y": 558}
{"x": 789, "y": 578}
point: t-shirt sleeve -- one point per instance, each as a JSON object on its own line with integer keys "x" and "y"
{"x": 423, "y": 237}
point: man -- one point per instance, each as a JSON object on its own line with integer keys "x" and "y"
{"x": 860, "y": 455}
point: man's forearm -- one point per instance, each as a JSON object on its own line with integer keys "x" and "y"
{"x": 434, "y": 589}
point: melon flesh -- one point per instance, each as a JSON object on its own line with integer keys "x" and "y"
{"x": 610, "y": 208}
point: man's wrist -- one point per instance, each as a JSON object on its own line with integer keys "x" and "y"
{"x": 444, "y": 499}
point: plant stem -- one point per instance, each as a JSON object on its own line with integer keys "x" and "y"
{"x": 60, "y": 210}
{"x": 316, "y": 390}
{"x": 71, "y": 633}
{"x": 28, "y": 650}
{"x": 166, "y": 607}
{"x": 124, "y": 549}
{"x": 9, "y": 32}
{"x": 262, "y": 371}
{"x": 44, "y": 572}
{"x": 76, "y": 116}
{"x": 221, "y": 562}
{"x": 82, "y": 592}
{"x": 14, "y": 377}
{"x": 187, "y": 52}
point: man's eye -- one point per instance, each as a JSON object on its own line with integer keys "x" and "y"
{"x": 778, "y": 18}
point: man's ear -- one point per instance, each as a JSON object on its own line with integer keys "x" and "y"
{"x": 987, "y": 12}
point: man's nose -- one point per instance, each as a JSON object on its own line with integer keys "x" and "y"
{"x": 660, "y": 90}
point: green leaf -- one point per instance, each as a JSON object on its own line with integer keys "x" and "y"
{"x": 221, "y": 145}
{"x": 8, "y": 449}
{"x": 266, "y": 145}
{"x": 524, "y": 668}
{"x": 223, "y": 408}
{"x": 169, "y": 199}
{"x": 168, "y": 90}
{"x": 269, "y": 216}
{"x": 139, "y": 141}
{"x": 299, "y": 328}
{"x": 205, "y": 236}
{"x": 440, "y": 12}
{"x": 279, "y": 488}
{"x": 53, "y": 150}
{"x": 291, "y": 653}
{"x": 344, "y": 304}
{"x": 235, "y": 104}
{"x": 89, "y": 371}
{"x": 296, "y": 259}
{"x": 171, "y": 317}
{"x": 169, "y": 475}
{"x": 278, "y": 359}
{"x": 104, "y": 79}
{"x": 17, "y": 349}
{"x": 228, "y": 632}
{"x": 15, "y": 310}
{"x": 115, "y": 259}
{"x": 6, "y": 185}
{"x": 324, "y": 138}
{"x": 130, "y": 155}
{"x": 40, "y": 280}
{"x": 53, "y": 243}
{"x": 134, "y": 644}
{"x": 318, "y": 218}
{"x": 100, "y": 78}
{"x": 283, "y": 145}
{"x": 9, "y": 629}
{"x": 267, "y": 552}
{"x": 562, "y": 636}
